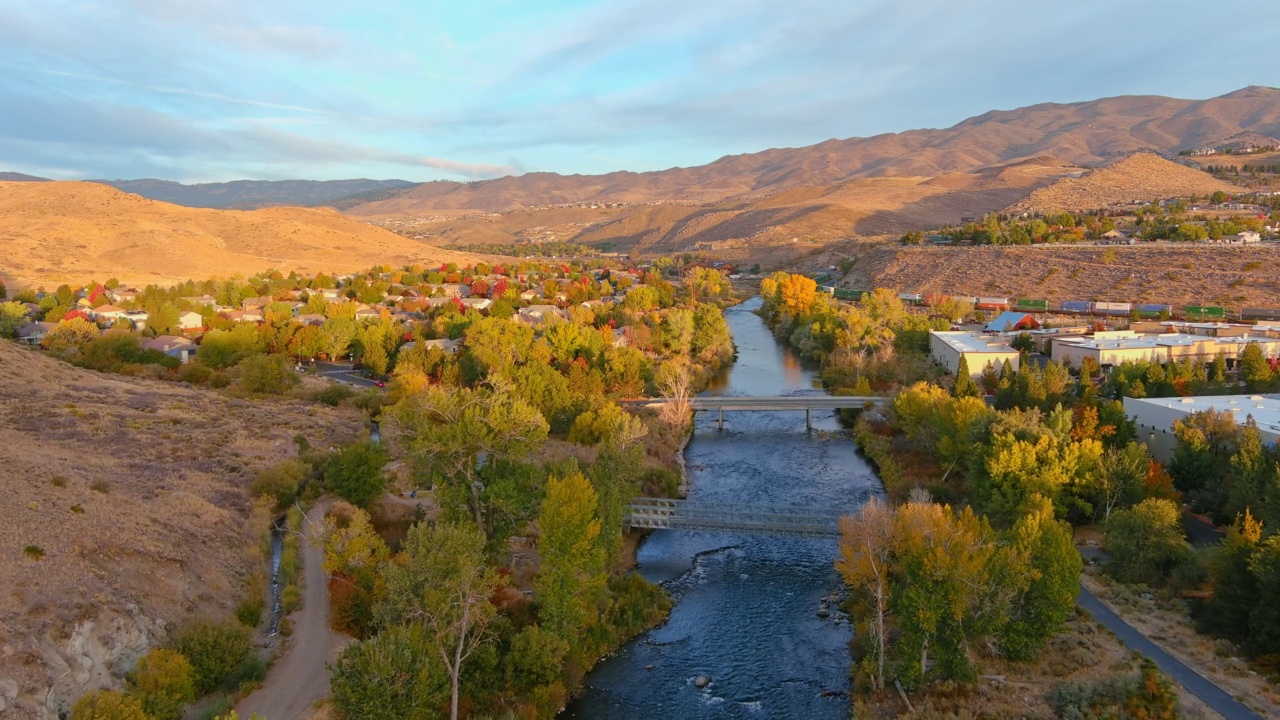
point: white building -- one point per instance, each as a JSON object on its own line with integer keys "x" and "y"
{"x": 978, "y": 350}
{"x": 1155, "y": 417}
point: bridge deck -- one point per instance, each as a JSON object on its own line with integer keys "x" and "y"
{"x": 814, "y": 402}
{"x": 662, "y": 513}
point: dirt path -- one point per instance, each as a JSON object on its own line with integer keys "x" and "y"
{"x": 300, "y": 676}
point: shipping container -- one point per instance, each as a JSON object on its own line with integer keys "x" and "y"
{"x": 992, "y": 303}
{"x": 911, "y": 298}
{"x": 1204, "y": 312}
{"x": 1152, "y": 310}
{"x": 965, "y": 299}
{"x": 1075, "y": 306}
{"x": 848, "y": 294}
{"x": 1260, "y": 314}
{"x": 1112, "y": 308}
{"x": 828, "y": 289}
{"x": 1030, "y": 304}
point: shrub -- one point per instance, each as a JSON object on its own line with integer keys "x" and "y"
{"x": 35, "y": 552}
{"x": 101, "y": 486}
{"x": 107, "y": 705}
{"x": 333, "y": 395}
{"x": 194, "y": 374}
{"x": 219, "y": 380}
{"x": 267, "y": 374}
{"x": 354, "y": 473}
{"x": 281, "y": 481}
{"x": 163, "y": 684}
{"x": 58, "y": 481}
{"x": 215, "y": 651}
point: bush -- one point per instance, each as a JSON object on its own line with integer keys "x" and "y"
{"x": 215, "y": 651}
{"x": 267, "y": 375}
{"x": 35, "y": 552}
{"x": 219, "y": 380}
{"x": 194, "y": 374}
{"x": 107, "y": 705}
{"x": 333, "y": 395}
{"x": 163, "y": 684}
{"x": 354, "y": 473}
{"x": 281, "y": 481}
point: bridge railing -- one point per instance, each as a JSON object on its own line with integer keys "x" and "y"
{"x": 662, "y": 513}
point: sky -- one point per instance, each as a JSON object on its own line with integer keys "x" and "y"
{"x": 215, "y": 90}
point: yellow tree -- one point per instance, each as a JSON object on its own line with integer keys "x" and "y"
{"x": 798, "y": 294}
{"x": 866, "y": 553}
{"x": 163, "y": 683}
{"x": 573, "y": 563}
{"x": 107, "y": 705}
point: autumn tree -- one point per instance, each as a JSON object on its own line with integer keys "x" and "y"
{"x": 866, "y": 554}
{"x": 108, "y": 705}
{"x": 441, "y": 580}
{"x": 163, "y": 684}
{"x": 394, "y": 675}
{"x": 12, "y": 314}
{"x": 1145, "y": 542}
{"x": 353, "y": 558}
{"x": 1047, "y": 576}
{"x": 572, "y": 575}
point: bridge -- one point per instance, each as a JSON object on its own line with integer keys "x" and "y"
{"x": 666, "y": 514}
{"x": 808, "y": 403}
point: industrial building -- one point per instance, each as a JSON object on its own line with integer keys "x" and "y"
{"x": 1115, "y": 347}
{"x": 978, "y": 350}
{"x": 1155, "y": 417}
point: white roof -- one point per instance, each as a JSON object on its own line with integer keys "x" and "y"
{"x": 1264, "y": 409}
{"x": 967, "y": 342}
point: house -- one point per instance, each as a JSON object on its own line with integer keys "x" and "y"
{"x": 531, "y": 295}
{"x": 33, "y": 333}
{"x": 189, "y": 321}
{"x": 201, "y": 300}
{"x": 620, "y": 337}
{"x": 309, "y": 318}
{"x": 1012, "y": 321}
{"x": 474, "y": 303}
{"x": 368, "y": 313}
{"x": 137, "y": 317}
{"x": 449, "y": 347}
{"x": 537, "y": 314}
{"x": 173, "y": 346}
{"x": 123, "y": 294}
{"x": 107, "y": 313}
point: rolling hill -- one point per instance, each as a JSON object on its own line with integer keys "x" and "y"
{"x": 1141, "y": 176}
{"x": 20, "y": 177}
{"x": 74, "y": 231}
{"x": 1083, "y": 133}
{"x": 127, "y": 511}
{"x": 252, "y": 194}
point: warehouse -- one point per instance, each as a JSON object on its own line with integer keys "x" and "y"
{"x": 1113, "y": 348}
{"x": 978, "y": 350}
{"x": 1155, "y": 417}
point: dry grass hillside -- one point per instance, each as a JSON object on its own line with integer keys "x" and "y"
{"x": 1230, "y": 276}
{"x": 125, "y": 512}
{"x": 55, "y": 232}
{"x": 1141, "y": 176}
{"x": 1083, "y": 133}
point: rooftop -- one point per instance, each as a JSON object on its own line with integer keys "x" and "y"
{"x": 1264, "y": 409}
{"x": 967, "y": 342}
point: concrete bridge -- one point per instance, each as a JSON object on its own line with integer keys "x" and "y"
{"x": 807, "y": 403}
{"x": 666, "y": 514}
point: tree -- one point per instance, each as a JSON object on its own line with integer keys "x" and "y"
{"x": 107, "y": 705}
{"x": 1145, "y": 541}
{"x": 866, "y": 554}
{"x": 215, "y": 650}
{"x": 453, "y": 434}
{"x": 964, "y": 385}
{"x": 1122, "y": 474}
{"x": 393, "y": 675}
{"x": 1023, "y": 343}
{"x": 70, "y": 336}
{"x": 1049, "y": 566}
{"x": 573, "y": 574}
{"x": 355, "y": 473}
{"x": 913, "y": 237}
{"x": 608, "y": 425}
{"x": 353, "y": 558}
{"x": 675, "y": 382}
{"x": 224, "y": 348}
{"x": 267, "y": 375}
{"x": 12, "y": 314}
{"x": 1264, "y": 620}
{"x": 163, "y": 684}
{"x": 1254, "y": 368}
{"x": 442, "y": 581}
{"x": 1235, "y": 589}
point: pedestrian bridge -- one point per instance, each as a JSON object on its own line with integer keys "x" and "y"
{"x": 667, "y": 514}
{"x": 807, "y": 403}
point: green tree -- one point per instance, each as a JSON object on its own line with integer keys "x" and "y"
{"x": 1145, "y": 542}
{"x": 107, "y": 705}
{"x": 214, "y": 650}
{"x": 393, "y": 675}
{"x": 267, "y": 375}
{"x": 572, "y": 575}
{"x": 913, "y": 237}
{"x": 1050, "y": 565}
{"x": 1123, "y": 473}
{"x": 355, "y": 474}
{"x": 1235, "y": 589}
{"x": 964, "y": 385}
{"x": 1264, "y": 620}
{"x": 442, "y": 581}
{"x": 224, "y": 348}
{"x": 1247, "y": 472}
{"x": 1254, "y": 368}
{"x": 163, "y": 684}
{"x": 281, "y": 482}
{"x": 12, "y": 314}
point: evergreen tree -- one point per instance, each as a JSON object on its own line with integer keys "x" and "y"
{"x": 964, "y": 385}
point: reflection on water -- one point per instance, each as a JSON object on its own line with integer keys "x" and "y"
{"x": 746, "y": 607}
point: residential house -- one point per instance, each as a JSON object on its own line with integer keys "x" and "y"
{"x": 475, "y": 303}
{"x": 107, "y": 313}
{"x": 201, "y": 300}
{"x": 449, "y": 347}
{"x": 368, "y": 313}
{"x": 1012, "y": 321}
{"x": 309, "y": 318}
{"x": 537, "y": 314}
{"x": 190, "y": 321}
{"x": 121, "y": 295}
{"x": 173, "y": 346}
{"x": 137, "y": 317}
{"x": 33, "y": 333}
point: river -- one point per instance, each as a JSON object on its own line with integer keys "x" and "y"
{"x": 746, "y": 607}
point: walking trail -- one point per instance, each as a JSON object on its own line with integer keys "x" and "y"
{"x": 300, "y": 677}
{"x": 1195, "y": 683}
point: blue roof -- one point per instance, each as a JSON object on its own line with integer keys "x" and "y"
{"x": 1007, "y": 320}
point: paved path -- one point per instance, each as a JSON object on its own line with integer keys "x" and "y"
{"x": 300, "y": 676}
{"x": 1195, "y": 683}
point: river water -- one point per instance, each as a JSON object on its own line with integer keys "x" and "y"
{"x": 746, "y": 607}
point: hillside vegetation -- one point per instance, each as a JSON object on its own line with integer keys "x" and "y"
{"x": 127, "y": 510}
{"x": 56, "y": 232}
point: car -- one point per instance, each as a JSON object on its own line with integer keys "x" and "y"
{"x": 379, "y": 383}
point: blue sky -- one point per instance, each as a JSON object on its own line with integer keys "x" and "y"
{"x": 209, "y": 90}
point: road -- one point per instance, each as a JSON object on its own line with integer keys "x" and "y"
{"x": 342, "y": 372}
{"x": 1195, "y": 683}
{"x": 300, "y": 676}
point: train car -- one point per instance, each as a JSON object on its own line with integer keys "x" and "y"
{"x": 911, "y": 298}
{"x": 932, "y": 300}
{"x": 828, "y": 289}
{"x": 1259, "y": 314}
{"x": 1153, "y": 310}
{"x": 1112, "y": 308}
{"x": 850, "y": 294}
{"x": 1204, "y": 312}
{"x": 1031, "y": 305}
{"x": 991, "y": 303}
{"x": 1075, "y": 306}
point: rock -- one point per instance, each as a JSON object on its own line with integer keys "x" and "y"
{"x": 649, "y": 666}
{"x": 701, "y": 681}
{"x": 823, "y": 612}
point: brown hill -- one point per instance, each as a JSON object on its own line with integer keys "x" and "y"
{"x": 1085, "y": 133}
{"x": 126, "y": 511}
{"x": 1141, "y": 176}
{"x": 1230, "y": 276}
{"x": 56, "y": 232}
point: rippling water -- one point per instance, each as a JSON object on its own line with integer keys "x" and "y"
{"x": 745, "y": 613}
